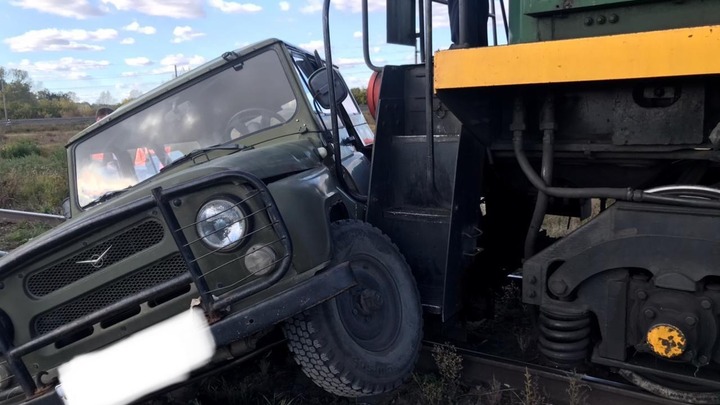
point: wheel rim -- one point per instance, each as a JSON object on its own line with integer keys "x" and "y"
{"x": 371, "y": 312}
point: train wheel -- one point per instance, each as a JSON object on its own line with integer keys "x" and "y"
{"x": 365, "y": 341}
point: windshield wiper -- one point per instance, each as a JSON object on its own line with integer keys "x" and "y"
{"x": 197, "y": 152}
{"x": 106, "y": 196}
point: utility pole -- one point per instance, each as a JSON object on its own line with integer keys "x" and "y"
{"x": 2, "y": 90}
{"x": 175, "y": 71}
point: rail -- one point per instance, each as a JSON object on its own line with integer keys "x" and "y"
{"x": 481, "y": 367}
{"x": 47, "y": 121}
{"x": 26, "y": 216}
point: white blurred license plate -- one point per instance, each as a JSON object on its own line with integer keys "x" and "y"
{"x": 151, "y": 359}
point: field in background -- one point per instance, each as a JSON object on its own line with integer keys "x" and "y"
{"x": 33, "y": 174}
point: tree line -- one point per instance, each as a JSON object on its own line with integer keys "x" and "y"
{"x": 22, "y": 100}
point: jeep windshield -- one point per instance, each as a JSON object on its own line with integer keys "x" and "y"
{"x": 226, "y": 107}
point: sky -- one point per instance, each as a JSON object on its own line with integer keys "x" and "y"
{"x": 128, "y": 47}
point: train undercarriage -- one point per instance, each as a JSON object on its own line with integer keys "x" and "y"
{"x": 629, "y": 151}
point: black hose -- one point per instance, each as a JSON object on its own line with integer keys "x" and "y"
{"x": 622, "y": 194}
{"x": 548, "y": 127}
{"x": 337, "y": 157}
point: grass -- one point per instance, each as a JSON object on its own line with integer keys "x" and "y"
{"x": 19, "y": 149}
{"x": 32, "y": 178}
{"x": 14, "y": 235}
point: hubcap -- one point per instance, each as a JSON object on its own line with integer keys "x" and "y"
{"x": 371, "y": 312}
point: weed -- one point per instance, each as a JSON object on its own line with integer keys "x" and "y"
{"x": 431, "y": 388}
{"x": 19, "y": 149}
{"x": 495, "y": 394}
{"x": 264, "y": 365}
{"x": 449, "y": 364}
{"x": 279, "y": 399}
{"x": 34, "y": 182}
{"x": 576, "y": 391}
{"x": 524, "y": 341}
{"x": 531, "y": 394}
{"x": 15, "y": 235}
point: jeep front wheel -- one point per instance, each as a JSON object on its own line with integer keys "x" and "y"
{"x": 366, "y": 340}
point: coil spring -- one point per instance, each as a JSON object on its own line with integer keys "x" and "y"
{"x": 564, "y": 338}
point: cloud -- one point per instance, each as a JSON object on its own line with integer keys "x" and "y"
{"x": 284, "y": 6}
{"x": 180, "y": 59}
{"x": 234, "y": 7}
{"x": 139, "y": 61}
{"x": 311, "y": 6}
{"x": 354, "y": 6}
{"x": 79, "y": 9}
{"x": 135, "y": 27}
{"x": 53, "y": 39}
{"x": 128, "y": 41}
{"x": 315, "y": 45}
{"x": 182, "y": 62}
{"x": 348, "y": 62}
{"x": 440, "y": 16}
{"x": 357, "y": 34}
{"x": 185, "y": 33}
{"x": 66, "y": 68}
{"x": 165, "y": 8}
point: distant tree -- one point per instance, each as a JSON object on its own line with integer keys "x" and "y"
{"x": 21, "y": 101}
{"x": 45, "y": 94}
{"x": 360, "y": 95}
{"x": 134, "y": 93}
{"x": 106, "y": 99}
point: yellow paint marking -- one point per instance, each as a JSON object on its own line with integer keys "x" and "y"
{"x": 668, "y": 53}
{"x": 666, "y": 340}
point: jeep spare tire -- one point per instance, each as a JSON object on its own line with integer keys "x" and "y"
{"x": 366, "y": 340}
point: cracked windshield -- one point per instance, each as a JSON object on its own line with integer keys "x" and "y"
{"x": 239, "y": 101}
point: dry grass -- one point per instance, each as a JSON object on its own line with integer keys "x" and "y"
{"x": 14, "y": 235}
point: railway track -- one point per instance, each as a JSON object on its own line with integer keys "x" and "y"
{"x": 479, "y": 367}
{"x": 25, "y": 216}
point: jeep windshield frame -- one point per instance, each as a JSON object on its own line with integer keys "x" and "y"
{"x": 231, "y": 104}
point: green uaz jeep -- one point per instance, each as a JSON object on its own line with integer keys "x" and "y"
{"x": 217, "y": 190}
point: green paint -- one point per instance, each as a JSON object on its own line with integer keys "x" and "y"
{"x": 545, "y": 20}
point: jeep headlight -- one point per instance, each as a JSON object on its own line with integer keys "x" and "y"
{"x": 221, "y": 224}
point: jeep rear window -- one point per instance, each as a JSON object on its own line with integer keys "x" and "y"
{"x": 232, "y": 104}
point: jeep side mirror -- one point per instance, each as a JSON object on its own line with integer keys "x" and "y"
{"x": 67, "y": 213}
{"x": 318, "y": 82}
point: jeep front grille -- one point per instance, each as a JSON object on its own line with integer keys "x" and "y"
{"x": 117, "y": 248}
{"x": 164, "y": 270}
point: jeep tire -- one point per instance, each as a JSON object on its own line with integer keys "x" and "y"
{"x": 366, "y": 340}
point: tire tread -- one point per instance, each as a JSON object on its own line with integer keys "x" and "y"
{"x": 319, "y": 362}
